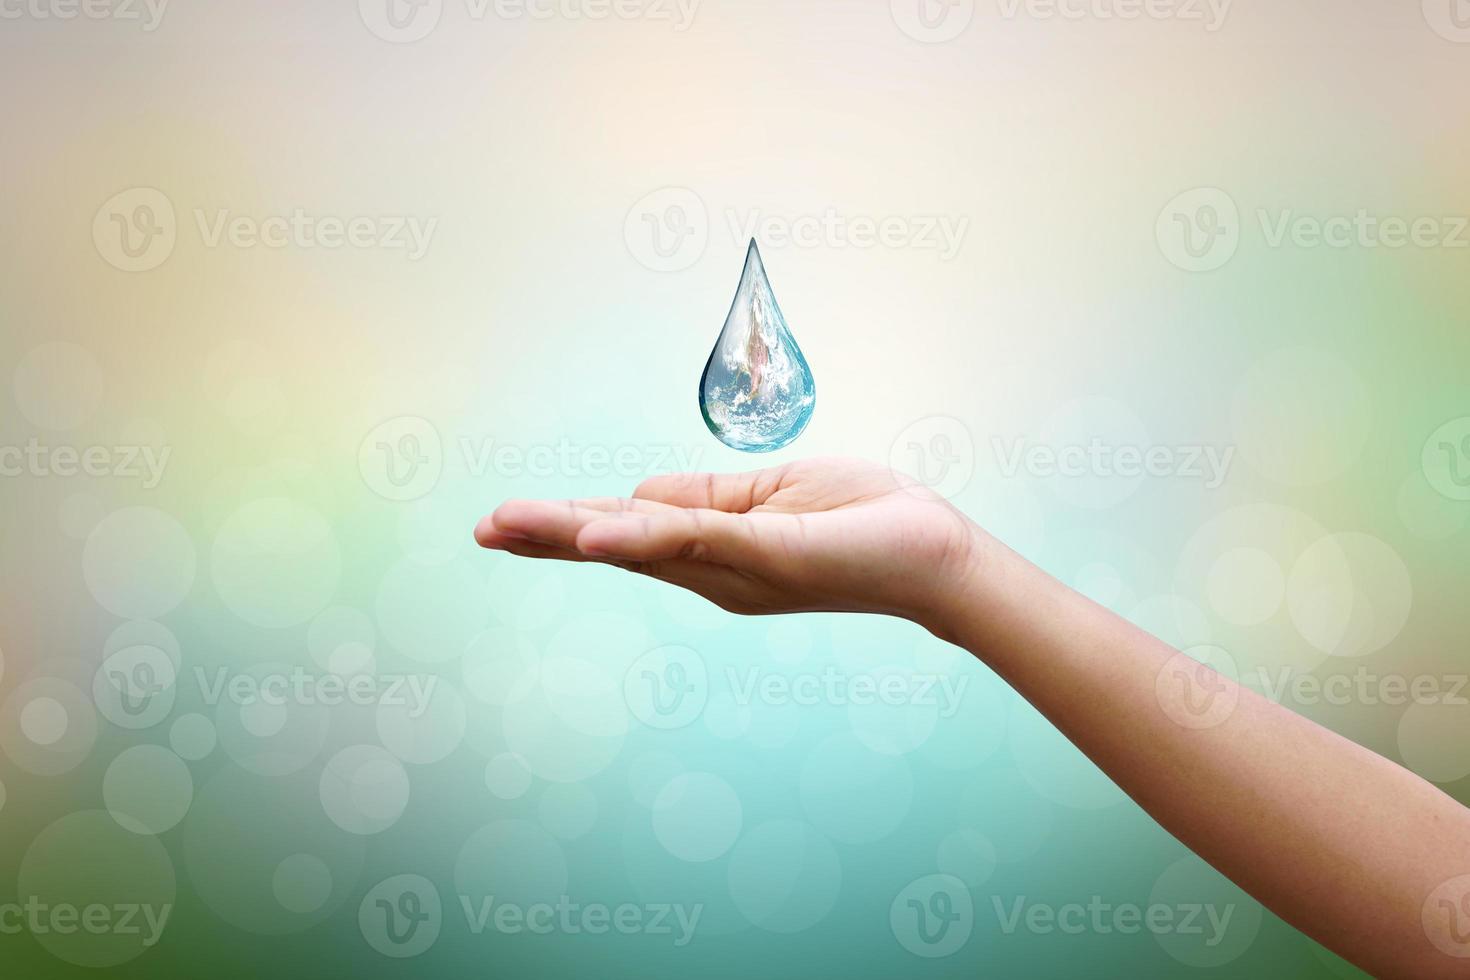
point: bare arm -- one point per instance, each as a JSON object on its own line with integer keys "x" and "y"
{"x": 1342, "y": 843}
{"x": 1352, "y": 849}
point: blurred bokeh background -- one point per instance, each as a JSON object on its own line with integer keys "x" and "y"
{"x": 1171, "y": 297}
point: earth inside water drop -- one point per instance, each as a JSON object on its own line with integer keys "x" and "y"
{"x": 757, "y": 392}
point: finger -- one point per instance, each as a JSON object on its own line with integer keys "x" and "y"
{"x": 683, "y": 533}
{"x": 719, "y": 584}
{"x": 526, "y": 548}
{"x": 555, "y": 522}
{"x": 735, "y": 493}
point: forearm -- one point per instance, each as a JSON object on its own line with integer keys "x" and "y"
{"x": 1340, "y": 842}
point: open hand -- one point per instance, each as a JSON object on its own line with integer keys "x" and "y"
{"x": 813, "y": 535}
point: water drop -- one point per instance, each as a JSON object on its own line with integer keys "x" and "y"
{"x": 757, "y": 393}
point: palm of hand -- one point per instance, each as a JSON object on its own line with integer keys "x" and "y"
{"x": 812, "y": 535}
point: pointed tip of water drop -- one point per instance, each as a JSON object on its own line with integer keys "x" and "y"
{"x": 753, "y": 258}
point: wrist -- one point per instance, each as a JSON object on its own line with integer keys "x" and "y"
{"x": 962, "y": 585}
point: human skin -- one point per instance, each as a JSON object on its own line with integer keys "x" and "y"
{"x": 1352, "y": 849}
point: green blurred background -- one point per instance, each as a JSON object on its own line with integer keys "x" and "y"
{"x": 292, "y": 294}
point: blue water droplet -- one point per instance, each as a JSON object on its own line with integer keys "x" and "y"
{"x": 757, "y": 393}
